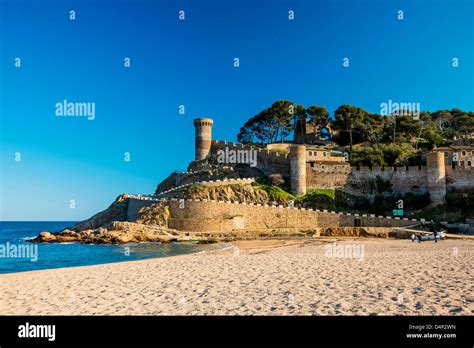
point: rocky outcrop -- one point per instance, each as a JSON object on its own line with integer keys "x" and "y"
{"x": 117, "y": 232}
{"x": 157, "y": 214}
{"x": 234, "y": 193}
{"x": 110, "y": 227}
{"x": 117, "y": 211}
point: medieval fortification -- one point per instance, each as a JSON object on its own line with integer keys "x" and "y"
{"x": 314, "y": 167}
{"x": 303, "y": 167}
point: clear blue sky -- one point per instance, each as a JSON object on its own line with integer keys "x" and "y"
{"x": 191, "y": 63}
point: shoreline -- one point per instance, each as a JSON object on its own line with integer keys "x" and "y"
{"x": 228, "y": 248}
{"x": 241, "y": 244}
{"x": 265, "y": 277}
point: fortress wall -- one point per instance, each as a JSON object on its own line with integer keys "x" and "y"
{"x": 460, "y": 178}
{"x": 362, "y": 180}
{"x": 403, "y": 179}
{"x": 215, "y": 216}
{"x": 334, "y": 219}
{"x": 212, "y": 216}
{"x": 326, "y": 176}
{"x": 268, "y": 162}
{"x": 134, "y": 206}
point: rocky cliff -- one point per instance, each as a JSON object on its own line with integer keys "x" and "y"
{"x": 110, "y": 227}
{"x": 247, "y": 193}
{"x": 117, "y": 211}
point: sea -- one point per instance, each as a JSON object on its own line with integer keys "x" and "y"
{"x": 13, "y": 236}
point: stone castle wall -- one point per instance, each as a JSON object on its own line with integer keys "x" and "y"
{"x": 362, "y": 179}
{"x": 218, "y": 216}
{"x": 202, "y": 216}
{"x": 214, "y": 216}
{"x": 326, "y": 176}
{"x": 403, "y": 179}
{"x": 459, "y": 178}
{"x": 134, "y": 206}
{"x": 267, "y": 161}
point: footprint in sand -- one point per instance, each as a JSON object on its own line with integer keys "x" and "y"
{"x": 418, "y": 306}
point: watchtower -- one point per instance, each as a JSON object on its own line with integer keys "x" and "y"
{"x": 298, "y": 169}
{"x": 436, "y": 176}
{"x": 203, "y": 137}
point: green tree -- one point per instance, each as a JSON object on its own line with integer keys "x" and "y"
{"x": 281, "y": 114}
{"x": 443, "y": 119}
{"x": 269, "y": 125}
{"x": 318, "y": 117}
{"x": 372, "y": 128}
{"x": 348, "y": 119}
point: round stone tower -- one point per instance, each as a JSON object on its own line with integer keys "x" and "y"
{"x": 298, "y": 169}
{"x": 436, "y": 176}
{"x": 203, "y": 127}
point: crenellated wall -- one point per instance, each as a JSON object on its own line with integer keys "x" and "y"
{"x": 268, "y": 162}
{"x": 363, "y": 180}
{"x": 320, "y": 175}
{"x": 459, "y": 178}
{"x": 217, "y": 216}
{"x": 402, "y": 179}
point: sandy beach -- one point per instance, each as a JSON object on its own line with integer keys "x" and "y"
{"x": 306, "y": 277}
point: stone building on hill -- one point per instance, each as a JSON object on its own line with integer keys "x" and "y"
{"x": 321, "y": 165}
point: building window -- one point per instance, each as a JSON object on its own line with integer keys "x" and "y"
{"x": 469, "y": 164}
{"x": 324, "y": 154}
{"x": 461, "y": 163}
{"x": 446, "y": 154}
{"x": 463, "y": 153}
{"x": 312, "y": 164}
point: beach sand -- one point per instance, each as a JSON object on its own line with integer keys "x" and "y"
{"x": 390, "y": 277}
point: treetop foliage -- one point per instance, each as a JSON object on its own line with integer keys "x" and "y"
{"x": 371, "y": 139}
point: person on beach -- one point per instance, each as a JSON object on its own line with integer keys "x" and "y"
{"x": 413, "y": 237}
{"x": 418, "y": 236}
{"x": 435, "y": 234}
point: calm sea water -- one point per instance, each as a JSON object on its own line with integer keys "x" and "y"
{"x": 75, "y": 254}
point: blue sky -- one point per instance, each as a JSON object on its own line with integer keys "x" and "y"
{"x": 190, "y": 63}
